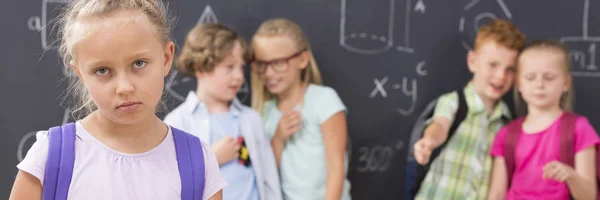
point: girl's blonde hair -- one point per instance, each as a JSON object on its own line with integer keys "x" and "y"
{"x": 73, "y": 28}
{"x": 566, "y": 100}
{"x": 206, "y": 45}
{"x": 283, "y": 27}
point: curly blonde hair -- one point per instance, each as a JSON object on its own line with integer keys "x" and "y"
{"x": 206, "y": 45}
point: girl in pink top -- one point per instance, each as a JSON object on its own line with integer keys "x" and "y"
{"x": 544, "y": 83}
{"x": 121, "y": 51}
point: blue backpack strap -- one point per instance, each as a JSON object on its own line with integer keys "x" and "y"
{"x": 190, "y": 161}
{"x": 59, "y": 165}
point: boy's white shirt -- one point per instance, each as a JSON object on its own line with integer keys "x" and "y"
{"x": 192, "y": 116}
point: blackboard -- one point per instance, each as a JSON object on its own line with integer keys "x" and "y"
{"x": 386, "y": 58}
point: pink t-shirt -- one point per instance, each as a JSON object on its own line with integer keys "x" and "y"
{"x": 534, "y": 151}
{"x": 103, "y": 173}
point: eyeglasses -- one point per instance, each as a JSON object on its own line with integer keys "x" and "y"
{"x": 279, "y": 65}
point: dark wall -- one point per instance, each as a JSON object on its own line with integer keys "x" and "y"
{"x": 386, "y": 58}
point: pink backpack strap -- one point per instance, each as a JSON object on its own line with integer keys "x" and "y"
{"x": 567, "y": 140}
{"x": 567, "y": 145}
{"x": 510, "y": 144}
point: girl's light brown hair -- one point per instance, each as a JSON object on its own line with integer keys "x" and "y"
{"x": 566, "y": 100}
{"x": 278, "y": 27}
{"x": 206, "y": 45}
{"x": 73, "y": 28}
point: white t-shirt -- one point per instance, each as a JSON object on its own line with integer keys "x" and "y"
{"x": 105, "y": 174}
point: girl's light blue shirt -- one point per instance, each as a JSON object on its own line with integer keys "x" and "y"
{"x": 303, "y": 168}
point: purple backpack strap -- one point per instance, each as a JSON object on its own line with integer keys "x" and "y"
{"x": 59, "y": 165}
{"x": 190, "y": 161}
{"x": 510, "y": 145}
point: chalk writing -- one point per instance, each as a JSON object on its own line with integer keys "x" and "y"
{"x": 22, "y": 149}
{"x": 583, "y": 49}
{"x": 377, "y": 158}
{"x": 586, "y": 17}
{"x": 470, "y": 5}
{"x": 480, "y": 18}
{"x": 579, "y": 57}
{"x": 34, "y": 23}
{"x": 27, "y": 139}
{"x": 46, "y": 22}
{"x": 504, "y": 9}
{"x": 407, "y": 88}
{"x": 379, "y": 87}
{"x": 207, "y": 16}
{"x": 420, "y": 70}
{"x": 410, "y": 93}
{"x": 178, "y": 85}
{"x": 583, "y": 57}
{"x": 420, "y": 7}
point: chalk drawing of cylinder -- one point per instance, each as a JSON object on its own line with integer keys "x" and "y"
{"x": 51, "y": 9}
{"x": 367, "y": 27}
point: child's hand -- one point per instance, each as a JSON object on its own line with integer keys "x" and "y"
{"x": 558, "y": 171}
{"x": 290, "y": 123}
{"x": 423, "y": 149}
{"x": 226, "y": 149}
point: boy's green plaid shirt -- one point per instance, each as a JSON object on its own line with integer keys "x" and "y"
{"x": 463, "y": 169}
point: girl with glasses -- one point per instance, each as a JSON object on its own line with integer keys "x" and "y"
{"x": 305, "y": 121}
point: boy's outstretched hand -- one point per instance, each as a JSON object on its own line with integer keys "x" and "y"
{"x": 558, "y": 171}
{"x": 423, "y": 149}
